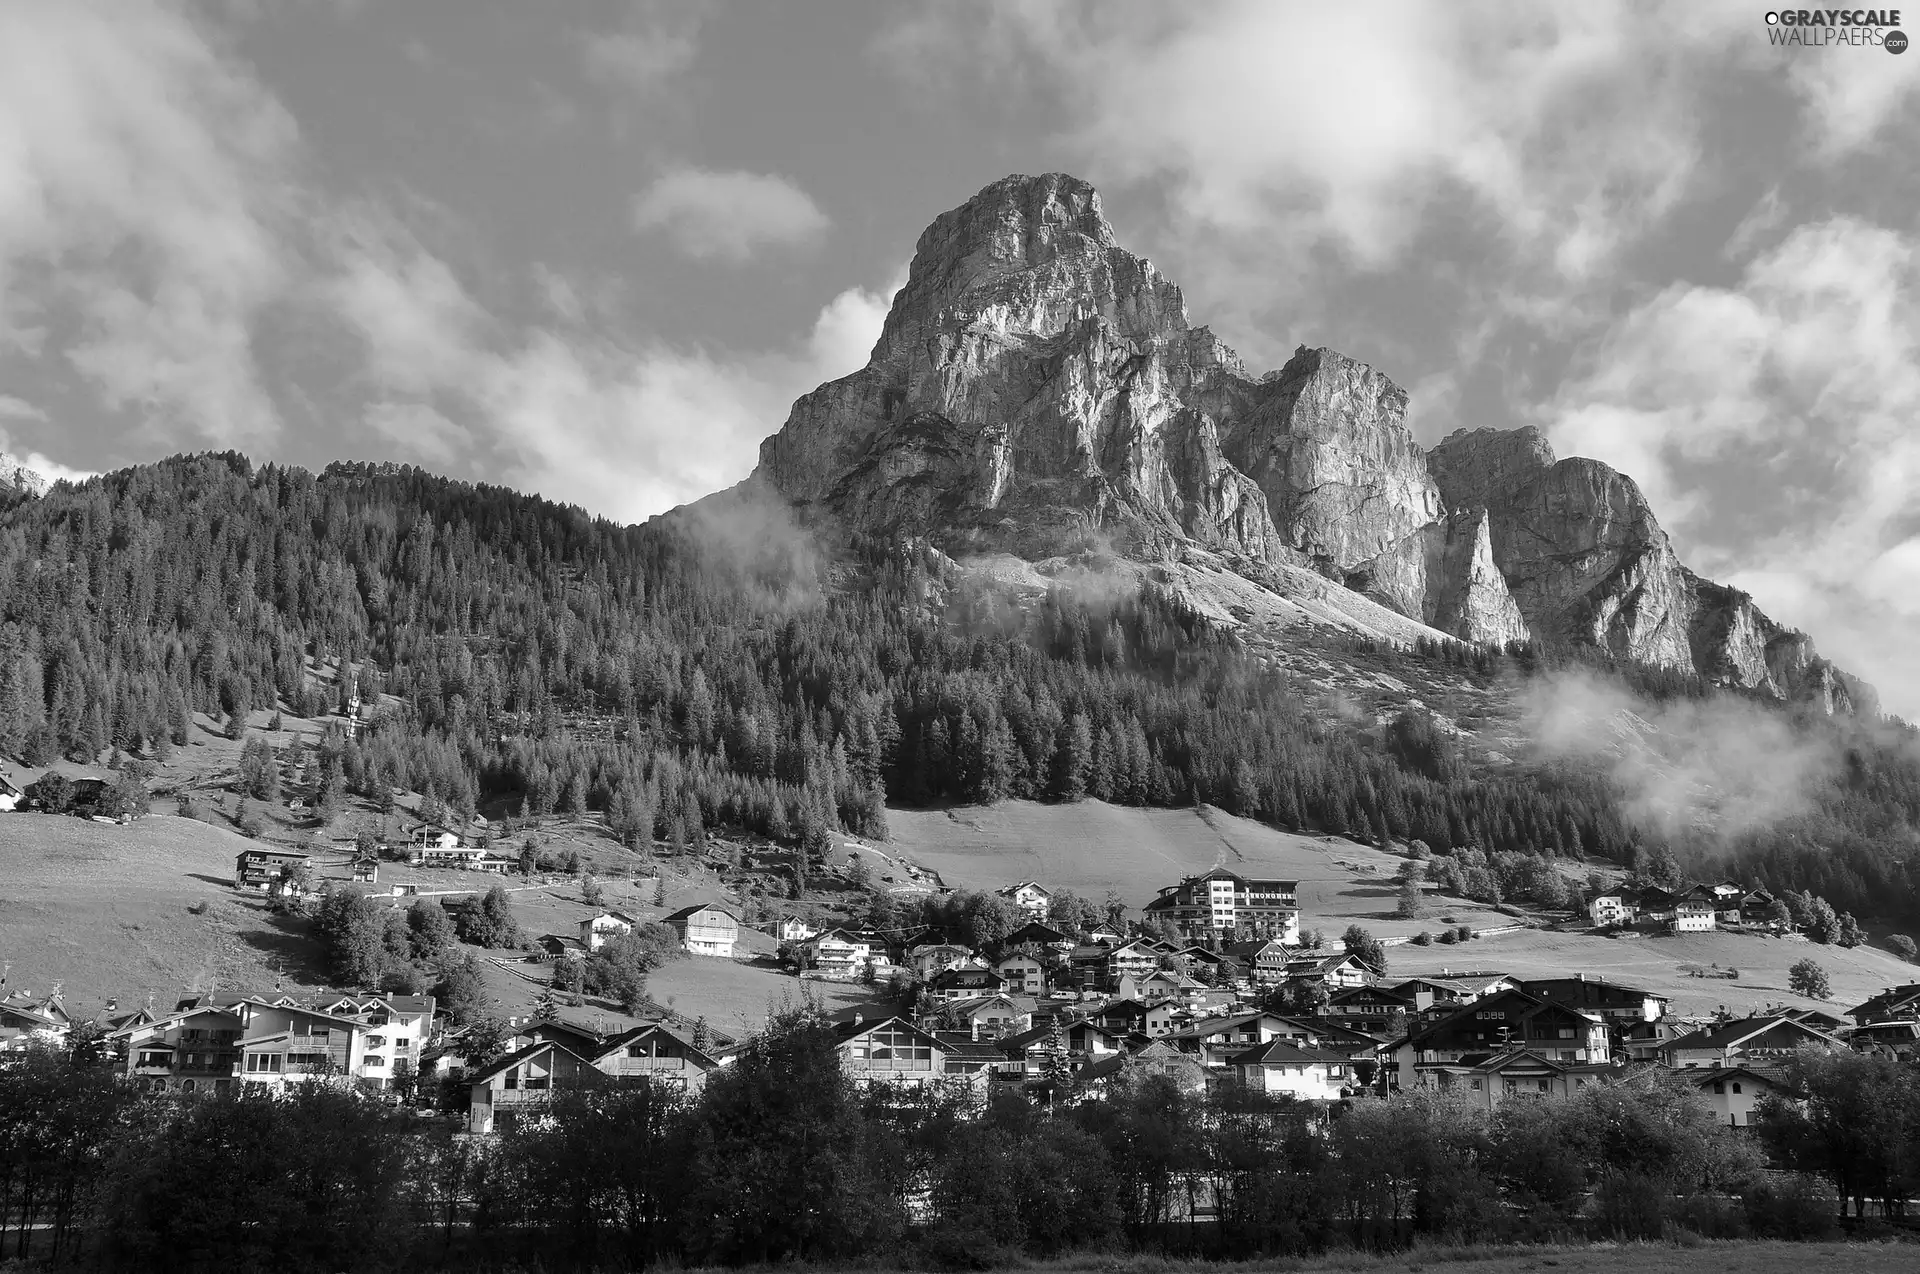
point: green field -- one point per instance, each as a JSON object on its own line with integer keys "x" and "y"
{"x": 104, "y": 911}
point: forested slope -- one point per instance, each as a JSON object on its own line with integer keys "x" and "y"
{"x": 676, "y": 682}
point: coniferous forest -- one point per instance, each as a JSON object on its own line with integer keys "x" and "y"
{"x": 528, "y": 655}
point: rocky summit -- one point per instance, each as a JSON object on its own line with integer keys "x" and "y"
{"x": 1038, "y": 391}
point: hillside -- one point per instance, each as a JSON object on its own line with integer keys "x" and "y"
{"x": 1093, "y": 847}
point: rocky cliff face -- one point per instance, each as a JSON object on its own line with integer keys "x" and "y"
{"x": 15, "y": 476}
{"x": 1587, "y": 562}
{"x": 1037, "y": 389}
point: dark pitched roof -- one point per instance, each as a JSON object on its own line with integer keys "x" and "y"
{"x": 1729, "y": 1034}
{"x": 687, "y": 913}
{"x": 1278, "y": 1052}
{"x": 681, "y": 1037}
{"x": 532, "y": 1050}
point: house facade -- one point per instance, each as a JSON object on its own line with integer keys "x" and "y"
{"x": 1734, "y": 1091}
{"x": 1278, "y": 1067}
{"x": 211, "y": 1042}
{"x": 1498, "y": 1023}
{"x": 1022, "y": 974}
{"x": 836, "y": 954}
{"x": 524, "y": 1083}
{"x": 597, "y": 931}
{"x": 705, "y": 929}
{"x": 890, "y": 1051}
{"x": 27, "y": 1020}
{"x": 1033, "y": 900}
{"x": 260, "y": 868}
{"x": 659, "y": 1053}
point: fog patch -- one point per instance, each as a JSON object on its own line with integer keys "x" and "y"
{"x": 1720, "y": 765}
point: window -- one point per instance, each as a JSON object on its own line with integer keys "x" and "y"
{"x": 372, "y": 1062}
{"x": 265, "y": 1063}
{"x": 1736, "y": 1085}
{"x": 1565, "y": 1033}
{"x": 376, "y": 1041}
{"x": 1719, "y": 1087}
{"x": 898, "y": 1049}
{"x": 1476, "y": 1085}
{"x": 186, "y": 1085}
{"x": 1543, "y": 1086}
{"x": 155, "y": 1059}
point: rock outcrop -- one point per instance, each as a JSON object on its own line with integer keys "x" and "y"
{"x": 1038, "y": 390}
{"x": 1587, "y": 562}
{"x": 15, "y": 476}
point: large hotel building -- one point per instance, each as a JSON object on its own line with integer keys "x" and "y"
{"x": 1233, "y": 907}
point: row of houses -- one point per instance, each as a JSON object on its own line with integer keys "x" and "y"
{"x": 1689, "y": 909}
{"x": 1484, "y": 1036}
{"x": 707, "y": 929}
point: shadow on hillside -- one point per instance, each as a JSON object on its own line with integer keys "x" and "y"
{"x": 222, "y": 881}
{"x": 290, "y": 942}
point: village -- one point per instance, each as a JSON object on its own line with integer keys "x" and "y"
{"x": 1211, "y": 986}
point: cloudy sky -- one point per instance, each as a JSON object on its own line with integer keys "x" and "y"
{"x": 595, "y": 248}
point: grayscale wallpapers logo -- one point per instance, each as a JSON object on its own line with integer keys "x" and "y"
{"x": 1821, "y": 28}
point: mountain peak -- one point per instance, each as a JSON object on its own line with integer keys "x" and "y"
{"x": 1037, "y": 390}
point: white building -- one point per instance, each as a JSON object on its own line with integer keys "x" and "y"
{"x": 1031, "y": 898}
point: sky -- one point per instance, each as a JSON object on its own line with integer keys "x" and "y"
{"x": 595, "y": 248}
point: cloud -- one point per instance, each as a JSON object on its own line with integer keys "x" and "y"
{"x": 12, "y": 408}
{"x": 142, "y": 184}
{"x": 630, "y": 432}
{"x": 1853, "y": 96}
{"x": 51, "y": 470}
{"x": 1721, "y": 764}
{"x": 1802, "y": 381}
{"x": 655, "y": 43}
{"x": 564, "y": 406}
{"x": 417, "y": 322}
{"x": 728, "y": 216}
{"x": 1345, "y": 127}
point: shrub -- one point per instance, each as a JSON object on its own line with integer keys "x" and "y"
{"x": 1449, "y": 937}
{"x": 1422, "y": 939}
{"x": 1464, "y": 933}
{"x": 1792, "y": 1205}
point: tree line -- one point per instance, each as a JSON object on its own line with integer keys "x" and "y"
{"x": 780, "y": 1157}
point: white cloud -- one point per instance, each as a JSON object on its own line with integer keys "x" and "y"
{"x": 1346, "y": 125}
{"x": 141, "y": 178}
{"x": 728, "y": 216}
{"x": 655, "y": 43}
{"x": 419, "y": 431}
{"x": 565, "y": 408}
{"x": 1803, "y": 382}
{"x": 632, "y": 432}
{"x": 39, "y": 462}
{"x": 1853, "y": 95}
{"x": 12, "y": 408}
{"x": 418, "y": 323}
